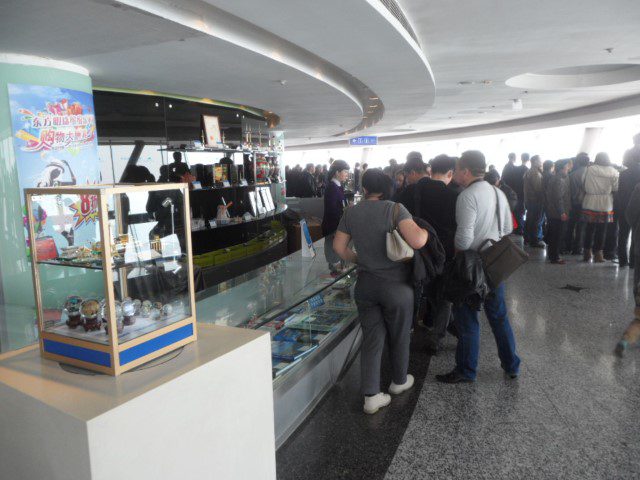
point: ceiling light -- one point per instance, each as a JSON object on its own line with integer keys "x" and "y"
{"x": 516, "y": 104}
{"x": 170, "y": 106}
{"x": 237, "y": 115}
{"x": 374, "y": 98}
{"x": 157, "y": 104}
{"x": 282, "y": 82}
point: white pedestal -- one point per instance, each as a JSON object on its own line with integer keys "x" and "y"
{"x": 206, "y": 414}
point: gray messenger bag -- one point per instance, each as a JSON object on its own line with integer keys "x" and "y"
{"x": 503, "y": 257}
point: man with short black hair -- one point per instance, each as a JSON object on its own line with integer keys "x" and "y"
{"x": 509, "y": 168}
{"x": 431, "y": 200}
{"x": 482, "y": 213}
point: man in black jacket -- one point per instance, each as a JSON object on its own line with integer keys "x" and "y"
{"x": 308, "y": 186}
{"x": 431, "y": 200}
{"x": 628, "y": 181}
{"x": 515, "y": 179}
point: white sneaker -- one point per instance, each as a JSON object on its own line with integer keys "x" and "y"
{"x": 376, "y": 402}
{"x": 398, "y": 389}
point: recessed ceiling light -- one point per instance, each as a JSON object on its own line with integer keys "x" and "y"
{"x": 237, "y": 115}
{"x": 170, "y": 106}
{"x": 157, "y": 104}
{"x": 374, "y": 98}
{"x": 282, "y": 82}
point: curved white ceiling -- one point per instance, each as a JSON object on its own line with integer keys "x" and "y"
{"x": 218, "y": 50}
{"x": 336, "y": 55}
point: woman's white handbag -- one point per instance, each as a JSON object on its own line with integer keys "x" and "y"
{"x": 398, "y": 250}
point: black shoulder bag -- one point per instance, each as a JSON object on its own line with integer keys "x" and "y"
{"x": 503, "y": 257}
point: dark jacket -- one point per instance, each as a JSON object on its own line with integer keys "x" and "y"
{"x": 515, "y": 179}
{"x": 428, "y": 261}
{"x": 333, "y": 207}
{"x": 432, "y": 201}
{"x": 465, "y": 281}
{"x": 632, "y": 214}
{"x": 576, "y": 185}
{"x": 533, "y": 192}
{"x": 511, "y": 195}
{"x": 308, "y": 187}
{"x": 558, "y": 197}
{"x": 626, "y": 184}
{"x": 508, "y": 173}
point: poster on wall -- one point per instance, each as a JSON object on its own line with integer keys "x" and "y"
{"x": 55, "y": 144}
{"x": 212, "y": 131}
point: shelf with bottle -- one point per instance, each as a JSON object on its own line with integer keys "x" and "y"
{"x": 244, "y": 150}
{"x": 235, "y": 221}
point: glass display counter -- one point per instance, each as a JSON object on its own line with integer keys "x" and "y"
{"x": 296, "y": 299}
{"x": 111, "y": 294}
{"x": 311, "y": 317}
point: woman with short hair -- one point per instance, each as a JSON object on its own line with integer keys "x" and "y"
{"x": 384, "y": 294}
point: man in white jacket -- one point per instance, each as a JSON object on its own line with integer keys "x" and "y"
{"x": 482, "y": 213}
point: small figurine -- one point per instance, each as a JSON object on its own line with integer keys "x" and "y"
{"x": 137, "y": 304}
{"x": 90, "y": 309}
{"x": 155, "y": 313}
{"x": 119, "y": 319}
{"x": 72, "y": 306}
{"x": 128, "y": 311}
{"x": 167, "y": 310}
{"x": 145, "y": 309}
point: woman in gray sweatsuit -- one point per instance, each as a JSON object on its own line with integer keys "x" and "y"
{"x": 384, "y": 294}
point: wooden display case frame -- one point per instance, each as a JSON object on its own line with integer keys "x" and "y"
{"x": 108, "y": 358}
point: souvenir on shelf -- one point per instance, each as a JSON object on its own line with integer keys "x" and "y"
{"x": 116, "y": 284}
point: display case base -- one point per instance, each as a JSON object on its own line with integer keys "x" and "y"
{"x": 208, "y": 413}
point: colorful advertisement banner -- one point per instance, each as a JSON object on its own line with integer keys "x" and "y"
{"x": 55, "y": 144}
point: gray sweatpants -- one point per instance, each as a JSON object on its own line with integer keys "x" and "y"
{"x": 385, "y": 309}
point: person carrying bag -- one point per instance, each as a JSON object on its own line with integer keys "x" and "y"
{"x": 398, "y": 250}
{"x": 502, "y": 257}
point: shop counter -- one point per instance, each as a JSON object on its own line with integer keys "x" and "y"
{"x": 205, "y": 411}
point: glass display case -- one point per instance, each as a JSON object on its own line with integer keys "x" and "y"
{"x": 113, "y": 289}
{"x": 296, "y": 299}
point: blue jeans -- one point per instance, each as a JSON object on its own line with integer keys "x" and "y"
{"x": 468, "y": 327}
{"x": 534, "y": 224}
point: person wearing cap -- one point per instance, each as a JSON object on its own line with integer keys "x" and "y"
{"x": 334, "y": 203}
{"x": 482, "y": 213}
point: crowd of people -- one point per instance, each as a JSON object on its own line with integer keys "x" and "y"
{"x": 447, "y": 210}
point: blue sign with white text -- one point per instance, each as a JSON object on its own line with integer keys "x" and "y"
{"x": 360, "y": 141}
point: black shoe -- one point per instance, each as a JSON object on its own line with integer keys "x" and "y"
{"x": 453, "y": 377}
{"x": 433, "y": 349}
{"x": 512, "y": 375}
{"x": 451, "y": 328}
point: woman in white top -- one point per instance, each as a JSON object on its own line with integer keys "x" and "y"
{"x": 600, "y": 181}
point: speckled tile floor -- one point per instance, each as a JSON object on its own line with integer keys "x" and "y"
{"x": 573, "y": 413}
